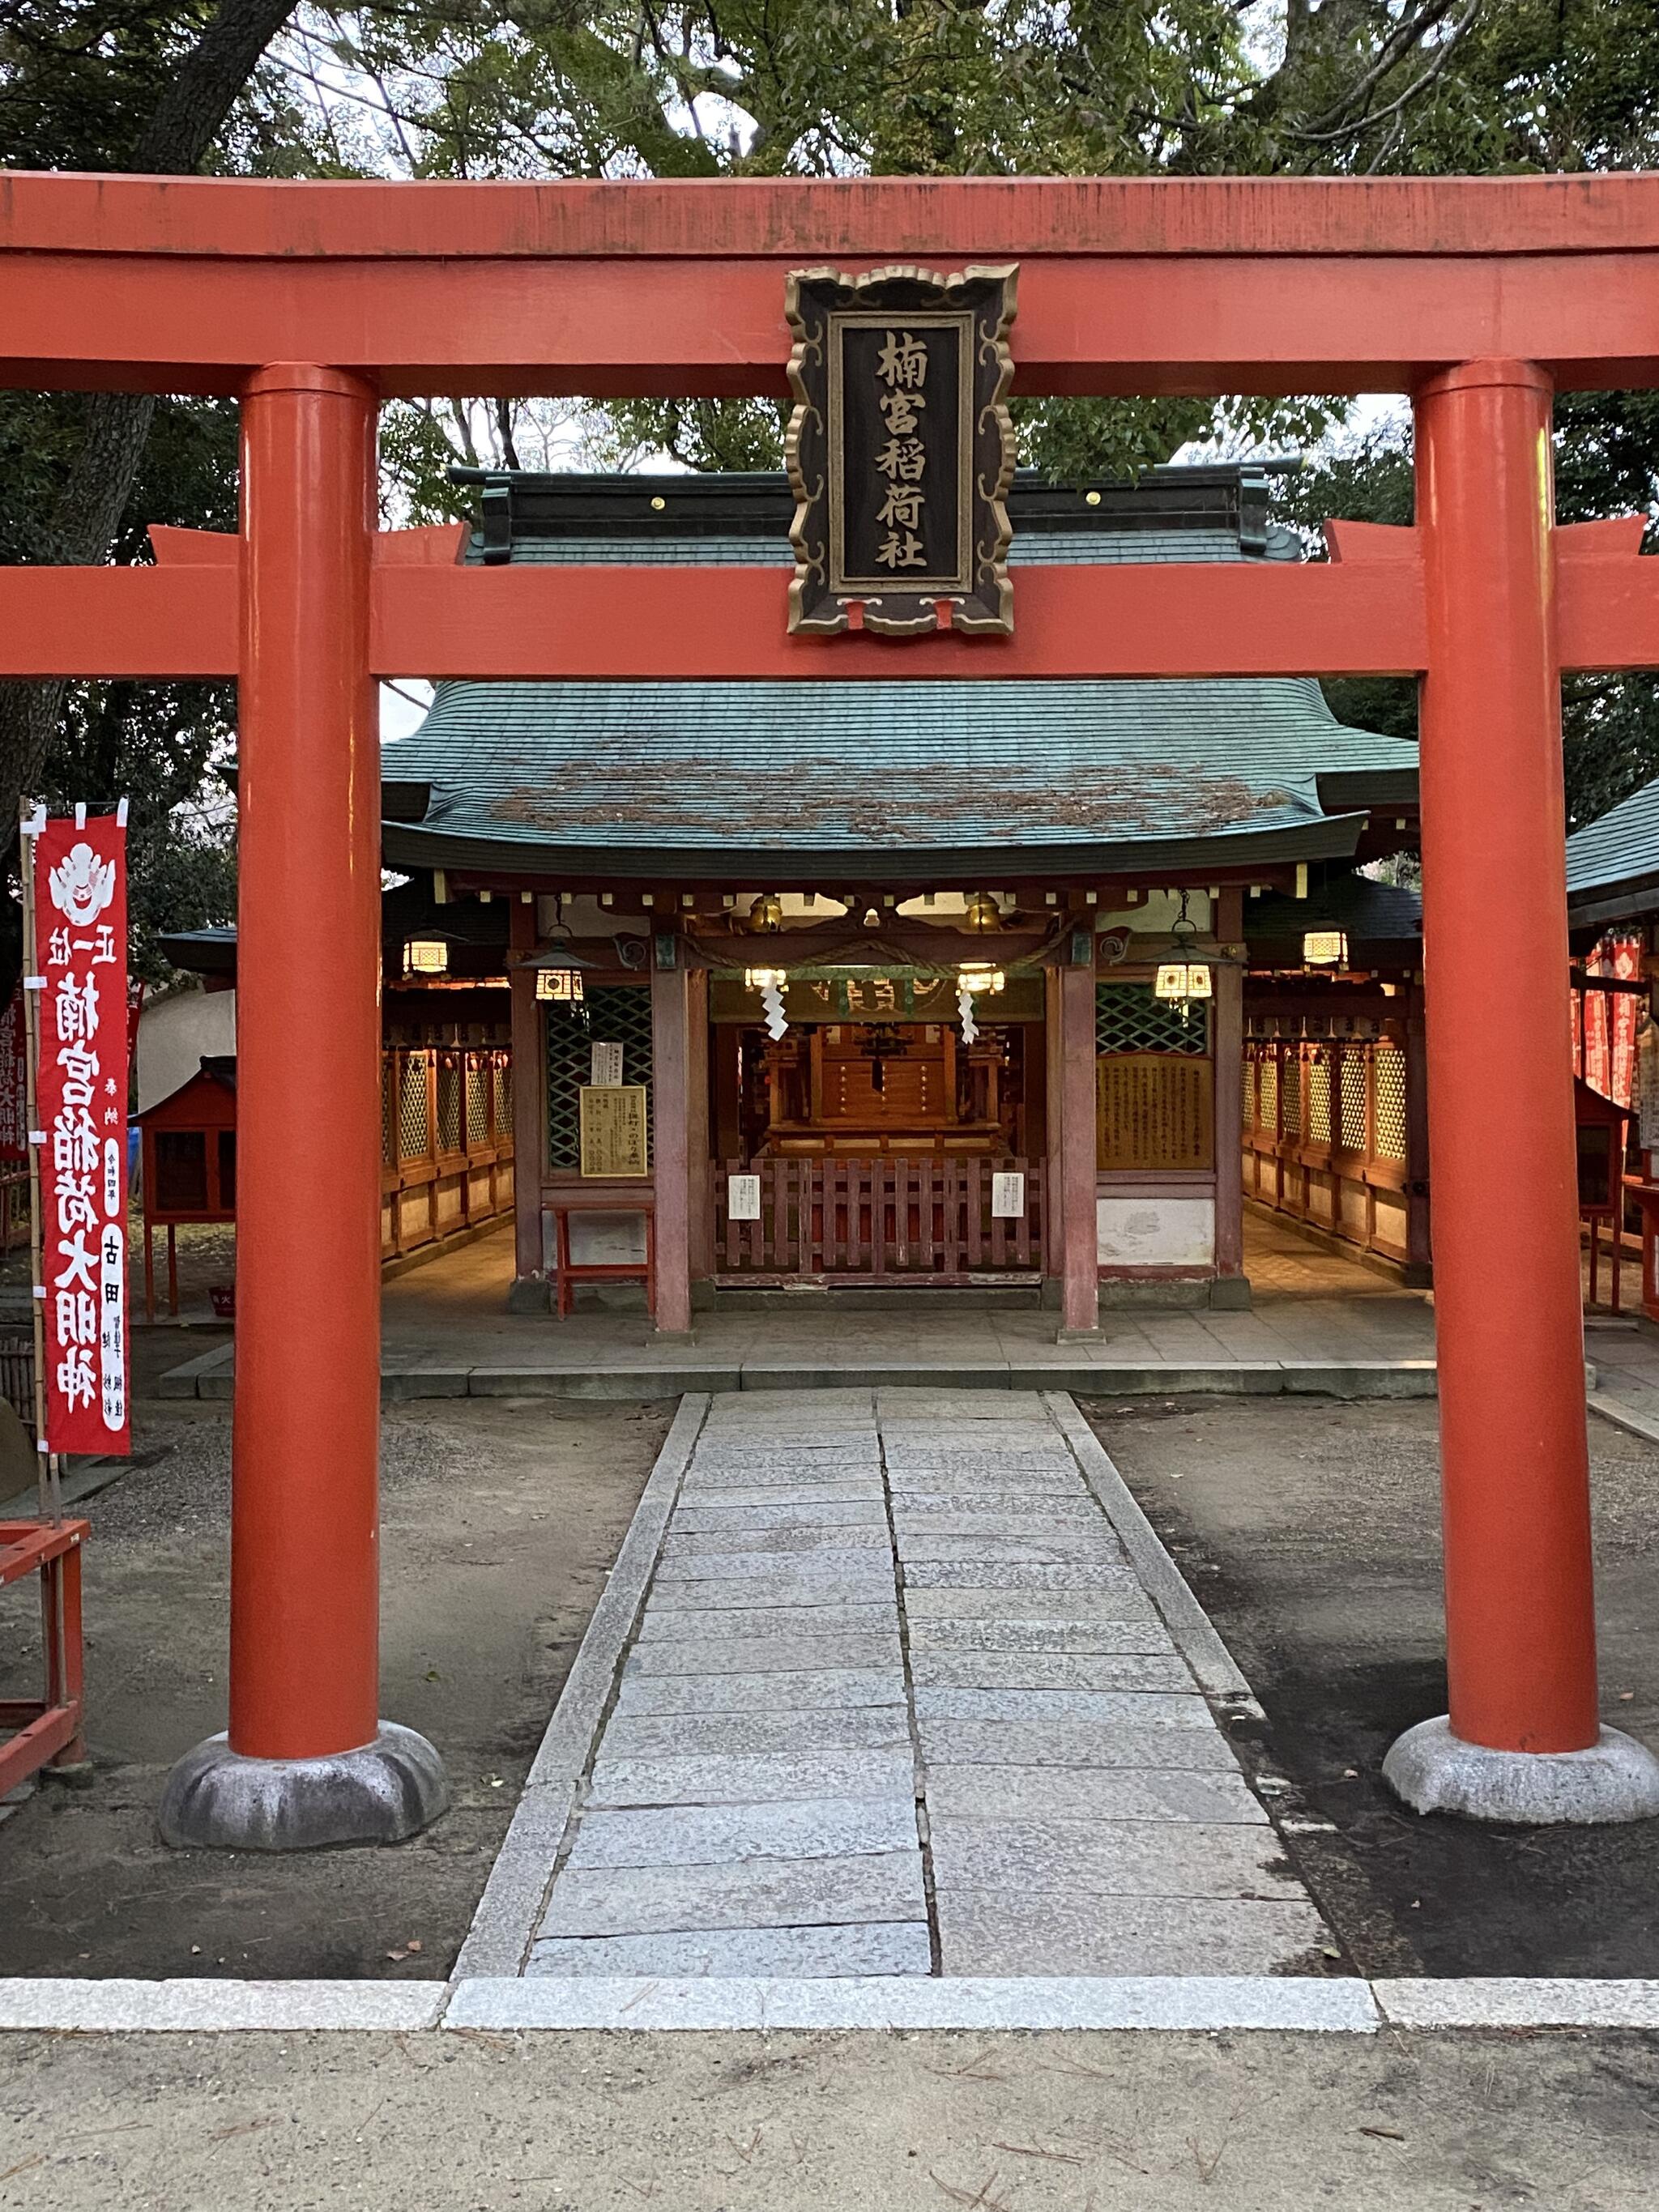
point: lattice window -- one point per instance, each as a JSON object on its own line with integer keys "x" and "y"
{"x": 1389, "y": 1066}
{"x": 388, "y": 1111}
{"x": 1318, "y": 1095}
{"x": 1291, "y": 1085}
{"x": 614, "y": 1013}
{"x": 1269, "y": 1071}
{"x": 414, "y": 1118}
{"x": 1355, "y": 1076}
{"x": 477, "y": 1101}
{"x": 449, "y": 1102}
{"x": 503, "y": 1078}
{"x": 1130, "y": 1017}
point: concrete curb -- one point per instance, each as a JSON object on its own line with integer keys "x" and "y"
{"x": 210, "y": 1378}
{"x": 905, "y": 2002}
{"x": 1518, "y": 2002}
{"x": 549, "y": 2004}
{"x": 1621, "y": 1416}
{"x": 1218, "y": 1673}
{"x": 505, "y": 1923}
{"x": 133, "y": 2007}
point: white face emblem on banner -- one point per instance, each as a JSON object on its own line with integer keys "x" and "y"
{"x": 81, "y": 885}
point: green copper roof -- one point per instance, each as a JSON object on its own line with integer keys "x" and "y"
{"x": 1618, "y": 849}
{"x": 926, "y": 777}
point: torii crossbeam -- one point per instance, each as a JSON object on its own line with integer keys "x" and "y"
{"x": 312, "y": 303}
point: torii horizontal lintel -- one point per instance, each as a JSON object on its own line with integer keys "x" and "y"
{"x": 1361, "y": 613}
{"x": 1212, "y": 285}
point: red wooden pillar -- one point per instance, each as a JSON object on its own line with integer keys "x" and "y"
{"x": 1053, "y": 1109}
{"x": 1520, "y": 1615}
{"x": 1079, "y": 1230}
{"x": 671, "y": 1088}
{"x": 529, "y": 1291}
{"x": 1227, "y": 1043}
{"x": 699, "y": 1142}
{"x": 307, "y": 1760}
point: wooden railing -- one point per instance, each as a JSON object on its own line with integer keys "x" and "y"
{"x": 881, "y": 1219}
{"x": 447, "y": 1143}
{"x": 1324, "y": 1136}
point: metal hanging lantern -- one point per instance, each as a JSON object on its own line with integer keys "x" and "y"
{"x": 766, "y": 915}
{"x": 563, "y": 987}
{"x": 1325, "y": 948}
{"x": 980, "y": 913}
{"x": 1183, "y": 981}
{"x": 426, "y": 956}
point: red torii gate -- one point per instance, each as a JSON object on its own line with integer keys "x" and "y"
{"x": 312, "y": 303}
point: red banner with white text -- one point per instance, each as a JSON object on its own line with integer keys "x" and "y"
{"x": 81, "y": 1094}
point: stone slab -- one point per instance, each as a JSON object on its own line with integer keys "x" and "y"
{"x": 914, "y": 1402}
{"x": 1028, "y": 1670}
{"x": 810, "y": 1828}
{"x": 837, "y": 1540}
{"x": 1026, "y": 1480}
{"x": 1090, "y": 1794}
{"x": 1072, "y": 1743}
{"x": 768, "y": 1691}
{"x": 939, "y": 1638}
{"x": 1036, "y": 1548}
{"x": 722, "y": 1778}
{"x": 764, "y": 1470}
{"x": 995, "y": 1931}
{"x": 754, "y": 1655}
{"x": 993, "y": 1512}
{"x": 1016, "y": 1575}
{"x": 1196, "y": 1637}
{"x": 693, "y": 1518}
{"x": 848, "y": 1561}
{"x": 759, "y": 1734}
{"x": 1122, "y": 1603}
{"x": 1125, "y": 1858}
{"x": 794, "y": 1592}
{"x": 901, "y": 1947}
{"x": 763, "y": 1894}
{"x": 761, "y": 1625}
{"x": 1140, "y": 1709}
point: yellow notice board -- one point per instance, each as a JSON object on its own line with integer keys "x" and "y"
{"x": 1154, "y": 1110}
{"x": 613, "y": 1139}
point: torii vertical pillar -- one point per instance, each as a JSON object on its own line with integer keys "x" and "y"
{"x": 307, "y": 1760}
{"x": 1522, "y": 1740}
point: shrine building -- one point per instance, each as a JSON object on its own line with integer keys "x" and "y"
{"x": 824, "y": 928}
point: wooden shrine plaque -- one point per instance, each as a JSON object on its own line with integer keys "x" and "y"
{"x": 613, "y": 1125}
{"x": 1154, "y": 1110}
{"x": 900, "y": 449}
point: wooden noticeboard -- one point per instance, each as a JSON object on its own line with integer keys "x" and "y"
{"x": 613, "y": 1130}
{"x": 1154, "y": 1110}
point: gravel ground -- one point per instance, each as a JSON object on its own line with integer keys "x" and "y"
{"x": 499, "y": 1522}
{"x": 1311, "y": 1532}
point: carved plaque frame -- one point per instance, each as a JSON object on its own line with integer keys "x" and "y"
{"x": 824, "y": 306}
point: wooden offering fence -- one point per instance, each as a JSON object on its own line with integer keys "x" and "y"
{"x": 880, "y": 1218}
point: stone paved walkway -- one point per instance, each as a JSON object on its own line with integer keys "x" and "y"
{"x": 898, "y": 1702}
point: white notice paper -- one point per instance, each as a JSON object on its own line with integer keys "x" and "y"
{"x": 1007, "y": 1197}
{"x": 742, "y": 1198}
{"x": 607, "y": 1067}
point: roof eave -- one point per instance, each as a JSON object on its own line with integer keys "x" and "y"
{"x": 1327, "y": 837}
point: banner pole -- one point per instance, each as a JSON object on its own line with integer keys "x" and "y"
{"x": 49, "y": 1477}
